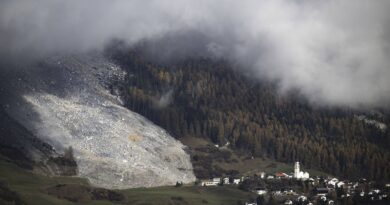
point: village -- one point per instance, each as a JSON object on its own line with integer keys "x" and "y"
{"x": 300, "y": 188}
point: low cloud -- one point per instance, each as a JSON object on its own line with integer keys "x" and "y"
{"x": 164, "y": 100}
{"x": 333, "y": 52}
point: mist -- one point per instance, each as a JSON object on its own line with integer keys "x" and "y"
{"x": 332, "y": 52}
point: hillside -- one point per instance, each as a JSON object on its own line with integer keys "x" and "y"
{"x": 71, "y": 101}
{"x": 206, "y": 99}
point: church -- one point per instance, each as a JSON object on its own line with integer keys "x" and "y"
{"x": 298, "y": 174}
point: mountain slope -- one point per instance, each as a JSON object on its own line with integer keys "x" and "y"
{"x": 70, "y": 102}
{"x": 208, "y": 99}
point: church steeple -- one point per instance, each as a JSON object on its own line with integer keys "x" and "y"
{"x": 296, "y": 170}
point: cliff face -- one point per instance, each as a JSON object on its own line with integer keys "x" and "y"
{"x": 72, "y": 102}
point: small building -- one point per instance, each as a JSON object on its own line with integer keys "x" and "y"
{"x": 332, "y": 183}
{"x": 302, "y": 198}
{"x": 281, "y": 175}
{"x": 217, "y": 180}
{"x": 288, "y": 191}
{"x": 340, "y": 184}
{"x": 270, "y": 177}
{"x": 260, "y": 191}
{"x": 311, "y": 181}
{"x": 209, "y": 183}
{"x": 236, "y": 181}
{"x": 260, "y": 174}
{"x": 226, "y": 180}
{"x": 288, "y": 202}
{"x": 213, "y": 182}
{"x": 321, "y": 191}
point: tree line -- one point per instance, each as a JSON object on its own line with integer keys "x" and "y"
{"x": 214, "y": 101}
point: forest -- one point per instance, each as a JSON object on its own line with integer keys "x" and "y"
{"x": 210, "y": 99}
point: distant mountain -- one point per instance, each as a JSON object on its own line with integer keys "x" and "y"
{"x": 208, "y": 99}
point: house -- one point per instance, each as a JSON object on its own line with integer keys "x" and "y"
{"x": 332, "y": 183}
{"x": 345, "y": 196}
{"x": 278, "y": 192}
{"x": 213, "y": 182}
{"x": 340, "y": 184}
{"x": 311, "y": 181}
{"x": 260, "y": 174}
{"x": 323, "y": 198}
{"x": 218, "y": 180}
{"x": 321, "y": 191}
{"x": 281, "y": 175}
{"x": 208, "y": 183}
{"x": 288, "y": 191}
{"x": 362, "y": 180}
{"x": 302, "y": 198}
{"x": 236, "y": 181}
{"x": 260, "y": 191}
{"x": 270, "y": 177}
{"x": 288, "y": 202}
{"x": 226, "y": 180}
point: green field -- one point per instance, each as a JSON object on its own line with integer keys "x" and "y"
{"x": 244, "y": 163}
{"x": 31, "y": 189}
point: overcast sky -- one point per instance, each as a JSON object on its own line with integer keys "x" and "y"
{"x": 333, "y": 52}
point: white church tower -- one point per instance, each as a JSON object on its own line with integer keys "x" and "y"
{"x": 298, "y": 174}
{"x": 296, "y": 170}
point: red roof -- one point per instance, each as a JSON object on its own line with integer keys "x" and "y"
{"x": 280, "y": 174}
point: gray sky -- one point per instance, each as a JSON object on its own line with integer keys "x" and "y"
{"x": 333, "y": 52}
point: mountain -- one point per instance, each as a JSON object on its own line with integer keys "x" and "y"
{"x": 71, "y": 102}
{"x": 213, "y": 100}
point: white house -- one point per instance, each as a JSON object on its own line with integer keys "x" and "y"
{"x": 217, "y": 180}
{"x": 209, "y": 183}
{"x": 302, "y": 198}
{"x": 270, "y": 177}
{"x": 333, "y": 182}
{"x": 288, "y": 202}
{"x": 298, "y": 174}
{"x": 340, "y": 184}
{"x": 261, "y": 174}
{"x": 260, "y": 191}
{"x": 226, "y": 180}
{"x": 236, "y": 181}
{"x": 213, "y": 182}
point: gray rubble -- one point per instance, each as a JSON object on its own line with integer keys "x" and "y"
{"x": 71, "y": 101}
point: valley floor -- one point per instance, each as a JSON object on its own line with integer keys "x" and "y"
{"x": 18, "y": 186}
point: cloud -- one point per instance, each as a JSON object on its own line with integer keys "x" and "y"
{"x": 164, "y": 100}
{"x": 333, "y": 52}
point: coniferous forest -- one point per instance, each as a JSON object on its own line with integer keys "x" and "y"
{"x": 209, "y": 99}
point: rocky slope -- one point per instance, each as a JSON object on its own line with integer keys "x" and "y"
{"x": 73, "y": 101}
{"x": 21, "y": 147}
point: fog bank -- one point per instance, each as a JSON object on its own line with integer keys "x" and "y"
{"x": 333, "y": 52}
